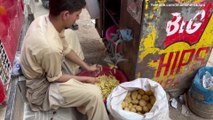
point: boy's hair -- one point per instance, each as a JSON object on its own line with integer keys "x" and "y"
{"x": 57, "y": 6}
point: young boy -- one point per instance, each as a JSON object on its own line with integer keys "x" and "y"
{"x": 47, "y": 48}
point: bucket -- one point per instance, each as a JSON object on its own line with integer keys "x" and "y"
{"x": 201, "y": 109}
{"x": 206, "y": 95}
{"x": 200, "y": 99}
{"x": 111, "y": 30}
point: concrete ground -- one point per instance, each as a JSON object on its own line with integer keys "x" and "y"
{"x": 2, "y": 112}
{"x": 93, "y": 48}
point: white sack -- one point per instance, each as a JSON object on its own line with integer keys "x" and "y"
{"x": 159, "y": 111}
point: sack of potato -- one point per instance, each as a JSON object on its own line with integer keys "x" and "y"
{"x": 141, "y": 99}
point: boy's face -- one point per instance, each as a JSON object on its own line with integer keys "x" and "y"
{"x": 71, "y": 18}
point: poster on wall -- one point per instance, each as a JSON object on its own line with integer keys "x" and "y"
{"x": 176, "y": 41}
{"x": 134, "y": 7}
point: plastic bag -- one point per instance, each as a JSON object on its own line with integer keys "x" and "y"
{"x": 159, "y": 111}
{"x": 207, "y": 81}
{"x": 197, "y": 91}
{"x": 16, "y": 70}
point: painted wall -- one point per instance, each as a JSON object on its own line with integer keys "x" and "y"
{"x": 11, "y": 21}
{"x": 176, "y": 40}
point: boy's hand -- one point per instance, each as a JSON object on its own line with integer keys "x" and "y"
{"x": 94, "y": 67}
{"x": 91, "y": 80}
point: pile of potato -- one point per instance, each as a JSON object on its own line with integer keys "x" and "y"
{"x": 139, "y": 101}
{"x": 107, "y": 84}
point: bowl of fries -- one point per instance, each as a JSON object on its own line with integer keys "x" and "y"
{"x": 108, "y": 79}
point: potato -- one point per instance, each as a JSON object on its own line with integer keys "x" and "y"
{"x": 139, "y": 108}
{"x": 135, "y": 102}
{"x": 124, "y": 104}
{"x": 128, "y": 94}
{"x": 149, "y": 92}
{"x": 130, "y": 105}
{"x": 142, "y": 102}
{"x": 149, "y": 106}
{"x": 142, "y": 112}
{"x": 145, "y": 97}
{"x": 134, "y": 95}
{"x": 127, "y": 109}
{"x": 134, "y": 106}
{"x": 127, "y": 105}
{"x": 145, "y": 109}
{"x": 142, "y": 92}
{"x": 152, "y": 100}
{"x": 128, "y": 99}
{"x": 133, "y": 110}
{"x": 139, "y": 96}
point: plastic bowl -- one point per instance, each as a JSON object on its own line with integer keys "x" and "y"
{"x": 120, "y": 76}
{"x": 110, "y": 30}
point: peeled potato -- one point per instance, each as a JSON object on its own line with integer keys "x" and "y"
{"x": 130, "y": 105}
{"x": 134, "y": 95}
{"x": 128, "y": 99}
{"x": 124, "y": 104}
{"x": 135, "y": 102}
{"x": 152, "y": 100}
{"x": 142, "y": 102}
{"x": 149, "y": 93}
{"x": 149, "y": 106}
{"x": 139, "y": 108}
{"x": 142, "y": 92}
{"x": 145, "y": 97}
{"x": 127, "y": 109}
{"x": 145, "y": 109}
{"x": 133, "y": 110}
{"x": 139, "y": 96}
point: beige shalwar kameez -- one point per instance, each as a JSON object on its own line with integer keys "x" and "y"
{"x": 42, "y": 60}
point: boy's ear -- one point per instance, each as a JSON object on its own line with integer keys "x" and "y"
{"x": 65, "y": 14}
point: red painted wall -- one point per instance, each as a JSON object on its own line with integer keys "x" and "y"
{"x": 11, "y": 21}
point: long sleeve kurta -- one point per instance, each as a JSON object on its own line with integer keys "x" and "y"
{"x": 42, "y": 54}
{"x": 42, "y": 60}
